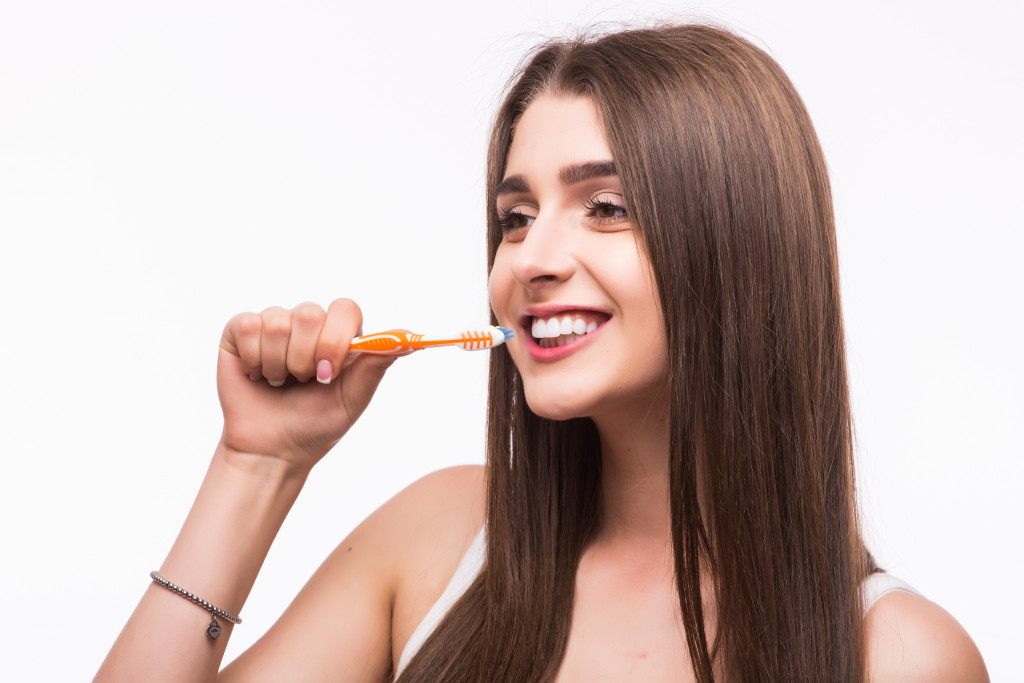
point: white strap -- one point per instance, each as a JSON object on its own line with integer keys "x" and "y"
{"x": 877, "y": 585}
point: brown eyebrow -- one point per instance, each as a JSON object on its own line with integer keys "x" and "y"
{"x": 578, "y": 173}
{"x": 514, "y": 183}
{"x": 569, "y": 175}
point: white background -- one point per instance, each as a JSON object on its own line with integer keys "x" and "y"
{"x": 165, "y": 165}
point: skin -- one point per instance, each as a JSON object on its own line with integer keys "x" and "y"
{"x": 354, "y": 616}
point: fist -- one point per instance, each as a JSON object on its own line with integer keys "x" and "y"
{"x": 268, "y": 361}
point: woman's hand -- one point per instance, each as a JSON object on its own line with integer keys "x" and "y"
{"x": 288, "y": 387}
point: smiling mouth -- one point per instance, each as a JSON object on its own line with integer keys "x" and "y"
{"x": 564, "y": 328}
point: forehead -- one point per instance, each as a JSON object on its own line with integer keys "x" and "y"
{"x": 555, "y": 131}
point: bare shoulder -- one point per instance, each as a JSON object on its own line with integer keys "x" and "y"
{"x": 442, "y": 498}
{"x": 432, "y": 520}
{"x": 440, "y": 511}
{"x": 421, "y": 530}
{"x": 910, "y": 638}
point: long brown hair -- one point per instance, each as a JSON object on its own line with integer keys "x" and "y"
{"x": 725, "y": 182}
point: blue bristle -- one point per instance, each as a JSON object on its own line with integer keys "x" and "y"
{"x": 509, "y": 334}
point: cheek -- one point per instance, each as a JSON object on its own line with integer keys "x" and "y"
{"x": 642, "y": 302}
{"x": 628, "y": 274}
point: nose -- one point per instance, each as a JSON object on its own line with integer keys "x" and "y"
{"x": 545, "y": 256}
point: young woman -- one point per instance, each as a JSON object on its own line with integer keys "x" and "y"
{"x": 669, "y": 491}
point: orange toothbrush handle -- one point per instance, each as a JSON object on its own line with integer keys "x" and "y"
{"x": 387, "y": 343}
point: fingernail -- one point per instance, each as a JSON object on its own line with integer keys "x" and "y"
{"x": 255, "y": 375}
{"x": 276, "y": 383}
{"x": 324, "y": 370}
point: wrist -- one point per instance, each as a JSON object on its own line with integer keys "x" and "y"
{"x": 265, "y": 469}
{"x": 236, "y": 515}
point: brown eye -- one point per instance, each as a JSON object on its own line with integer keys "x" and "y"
{"x": 605, "y": 211}
{"x": 512, "y": 220}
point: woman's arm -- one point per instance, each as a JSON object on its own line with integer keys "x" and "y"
{"x": 362, "y": 604}
{"x": 216, "y": 556}
{"x": 273, "y": 435}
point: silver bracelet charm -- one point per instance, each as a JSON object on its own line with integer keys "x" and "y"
{"x": 213, "y": 630}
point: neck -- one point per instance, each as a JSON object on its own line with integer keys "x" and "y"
{"x": 634, "y": 476}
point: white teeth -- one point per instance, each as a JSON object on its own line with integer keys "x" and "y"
{"x": 560, "y": 340}
{"x": 560, "y": 330}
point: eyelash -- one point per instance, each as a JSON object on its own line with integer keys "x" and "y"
{"x": 593, "y": 206}
{"x": 507, "y": 218}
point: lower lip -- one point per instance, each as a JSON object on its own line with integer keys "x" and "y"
{"x": 538, "y": 352}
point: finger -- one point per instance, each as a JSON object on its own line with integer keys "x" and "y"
{"x": 242, "y": 338}
{"x": 277, "y": 328}
{"x": 307, "y": 319}
{"x": 343, "y": 321}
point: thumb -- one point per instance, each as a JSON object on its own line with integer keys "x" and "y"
{"x": 360, "y": 380}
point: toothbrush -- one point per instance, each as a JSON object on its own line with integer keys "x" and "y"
{"x": 394, "y": 342}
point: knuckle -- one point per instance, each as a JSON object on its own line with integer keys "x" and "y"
{"x": 346, "y": 306}
{"x": 277, "y": 325}
{"x": 272, "y": 311}
{"x": 308, "y": 314}
{"x": 247, "y": 324}
{"x": 345, "y": 312}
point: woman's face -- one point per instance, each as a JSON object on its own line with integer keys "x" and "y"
{"x": 570, "y": 276}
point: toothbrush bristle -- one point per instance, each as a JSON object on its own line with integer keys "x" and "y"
{"x": 509, "y": 333}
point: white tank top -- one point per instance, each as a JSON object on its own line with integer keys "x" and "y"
{"x": 872, "y": 588}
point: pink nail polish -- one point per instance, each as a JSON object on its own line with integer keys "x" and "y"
{"x": 324, "y": 370}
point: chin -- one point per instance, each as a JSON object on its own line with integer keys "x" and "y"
{"x": 553, "y": 407}
{"x": 558, "y": 405}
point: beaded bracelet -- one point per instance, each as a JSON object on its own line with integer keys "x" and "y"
{"x": 213, "y": 630}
